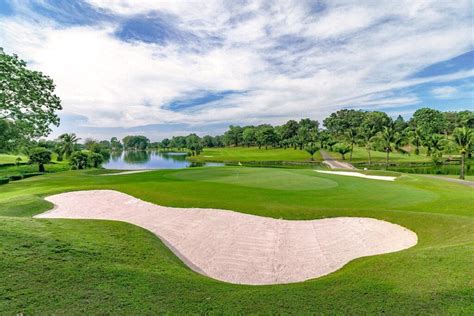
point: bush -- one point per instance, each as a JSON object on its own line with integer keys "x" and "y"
{"x": 4, "y": 181}
{"x": 95, "y": 159}
{"x": 79, "y": 160}
{"x": 15, "y": 178}
{"x": 32, "y": 174}
{"x": 40, "y": 156}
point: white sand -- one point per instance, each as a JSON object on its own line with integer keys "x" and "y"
{"x": 241, "y": 248}
{"x": 126, "y": 172}
{"x": 358, "y": 174}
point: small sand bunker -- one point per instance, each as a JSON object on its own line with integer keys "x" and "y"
{"x": 126, "y": 172}
{"x": 358, "y": 174}
{"x": 241, "y": 248}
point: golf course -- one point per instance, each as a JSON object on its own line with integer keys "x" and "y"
{"x": 57, "y": 266}
{"x": 236, "y": 157}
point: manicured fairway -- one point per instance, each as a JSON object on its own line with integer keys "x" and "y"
{"x": 78, "y": 266}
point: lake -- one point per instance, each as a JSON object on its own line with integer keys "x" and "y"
{"x": 133, "y": 160}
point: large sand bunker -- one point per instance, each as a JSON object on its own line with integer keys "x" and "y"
{"x": 241, "y": 248}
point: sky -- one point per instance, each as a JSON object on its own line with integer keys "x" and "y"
{"x": 169, "y": 67}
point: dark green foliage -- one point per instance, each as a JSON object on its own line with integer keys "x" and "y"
{"x": 27, "y": 98}
{"x": 137, "y": 142}
{"x": 40, "y": 156}
{"x": 79, "y": 160}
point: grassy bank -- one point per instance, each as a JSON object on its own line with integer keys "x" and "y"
{"x": 249, "y": 154}
{"x": 78, "y": 266}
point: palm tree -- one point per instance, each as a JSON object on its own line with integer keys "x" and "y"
{"x": 351, "y": 136}
{"x": 368, "y": 133}
{"x": 416, "y": 139}
{"x": 311, "y": 149}
{"x": 68, "y": 143}
{"x": 343, "y": 149}
{"x": 463, "y": 138}
{"x": 388, "y": 137}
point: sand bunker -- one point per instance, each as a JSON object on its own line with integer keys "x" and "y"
{"x": 358, "y": 174}
{"x": 126, "y": 172}
{"x": 241, "y": 248}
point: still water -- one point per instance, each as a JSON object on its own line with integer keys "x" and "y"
{"x": 132, "y": 160}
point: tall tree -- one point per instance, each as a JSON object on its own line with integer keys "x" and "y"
{"x": 234, "y": 135}
{"x": 27, "y": 98}
{"x": 429, "y": 121}
{"x": 339, "y": 122}
{"x": 463, "y": 138}
{"x": 388, "y": 136}
{"x": 67, "y": 143}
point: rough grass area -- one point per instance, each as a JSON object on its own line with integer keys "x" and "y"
{"x": 97, "y": 267}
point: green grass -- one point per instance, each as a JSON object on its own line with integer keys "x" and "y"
{"x": 361, "y": 155}
{"x": 8, "y": 158}
{"x": 249, "y": 154}
{"x": 104, "y": 267}
{"x": 55, "y": 166}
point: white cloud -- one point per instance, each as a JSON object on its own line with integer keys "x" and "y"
{"x": 445, "y": 92}
{"x": 290, "y": 62}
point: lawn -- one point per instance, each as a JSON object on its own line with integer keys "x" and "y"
{"x": 8, "y": 158}
{"x": 97, "y": 267}
{"x": 54, "y": 166}
{"x": 253, "y": 154}
{"x": 360, "y": 155}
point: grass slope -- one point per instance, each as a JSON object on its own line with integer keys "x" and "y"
{"x": 248, "y": 154}
{"x": 361, "y": 155}
{"x": 74, "y": 266}
{"x": 7, "y": 158}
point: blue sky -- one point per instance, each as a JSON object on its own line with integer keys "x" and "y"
{"x": 169, "y": 67}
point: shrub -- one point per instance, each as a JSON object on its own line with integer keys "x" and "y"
{"x": 40, "y": 156}
{"x": 4, "y": 181}
{"x": 79, "y": 160}
{"x": 95, "y": 159}
{"x": 16, "y": 178}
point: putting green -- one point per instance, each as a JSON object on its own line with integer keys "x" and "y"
{"x": 264, "y": 178}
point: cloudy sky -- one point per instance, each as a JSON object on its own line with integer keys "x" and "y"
{"x": 168, "y": 67}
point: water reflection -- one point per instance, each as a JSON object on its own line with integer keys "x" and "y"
{"x": 130, "y": 160}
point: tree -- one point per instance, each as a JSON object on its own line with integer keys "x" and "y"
{"x": 27, "y": 98}
{"x": 95, "y": 159}
{"x": 429, "y": 121}
{"x": 115, "y": 144}
{"x": 388, "y": 137}
{"x": 352, "y": 135}
{"x": 463, "y": 138}
{"x": 207, "y": 141}
{"x": 338, "y": 123}
{"x": 265, "y": 135}
{"x": 193, "y": 143}
{"x": 289, "y": 130}
{"x": 135, "y": 142}
{"x": 248, "y": 135}
{"x": 67, "y": 143}
{"x": 79, "y": 160}
{"x": 311, "y": 149}
{"x": 40, "y": 156}
{"x": 234, "y": 135}
{"x": 416, "y": 139}
{"x": 343, "y": 149}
